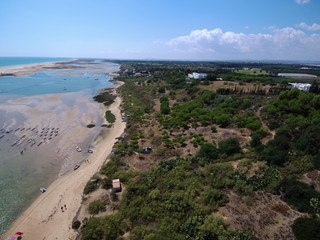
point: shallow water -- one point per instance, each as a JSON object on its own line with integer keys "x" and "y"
{"x": 29, "y": 152}
{"x": 13, "y": 61}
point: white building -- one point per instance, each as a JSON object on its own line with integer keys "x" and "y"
{"x": 197, "y": 75}
{"x": 297, "y": 75}
{"x": 301, "y": 86}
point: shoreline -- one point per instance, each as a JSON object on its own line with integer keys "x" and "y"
{"x": 26, "y": 69}
{"x": 43, "y": 218}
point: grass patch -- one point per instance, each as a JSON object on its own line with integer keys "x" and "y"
{"x": 110, "y": 117}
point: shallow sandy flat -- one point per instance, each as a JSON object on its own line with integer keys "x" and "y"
{"x": 44, "y": 219}
{"x": 20, "y": 70}
{"x": 64, "y": 66}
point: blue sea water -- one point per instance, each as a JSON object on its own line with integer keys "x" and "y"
{"x": 13, "y": 61}
{"x": 19, "y": 173}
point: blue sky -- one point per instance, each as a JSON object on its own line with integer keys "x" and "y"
{"x": 162, "y": 29}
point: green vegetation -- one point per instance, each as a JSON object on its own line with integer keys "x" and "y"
{"x": 76, "y": 224}
{"x": 96, "y": 206}
{"x": 110, "y": 117}
{"x": 172, "y": 200}
{"x": 229, "y": 146}
{"x": 197, "y": 162}
{"x": 306, "y": 228}
{"x": 92, "y": 185}
{"x": 253, "y": 72}
{"x": 299, "y": 195}
{"x": 104, "y": 97}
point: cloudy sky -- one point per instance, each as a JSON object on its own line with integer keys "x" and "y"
{"x": 162, "y": 29}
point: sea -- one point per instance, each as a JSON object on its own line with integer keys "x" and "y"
{"x": 14, "y": 61}
{"x": 26, "y": 161}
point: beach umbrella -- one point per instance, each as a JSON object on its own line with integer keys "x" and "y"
{"x": 19, "y": 233}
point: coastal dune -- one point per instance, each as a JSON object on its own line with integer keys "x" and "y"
{"x": 45, "y": 219}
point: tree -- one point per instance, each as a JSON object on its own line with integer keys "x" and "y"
{"x": 314, "y": 88}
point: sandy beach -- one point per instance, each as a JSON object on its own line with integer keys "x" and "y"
{"x": 44, "y": 218}
{"x": 21, "y": 70}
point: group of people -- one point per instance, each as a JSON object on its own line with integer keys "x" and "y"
{"x": 64, "y": 208}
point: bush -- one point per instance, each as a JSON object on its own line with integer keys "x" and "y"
{"x": 96, "y": 206}
{"x": 94, "y": 230}
{"x": 229, "y": 146}
{"x": 299, "y": 195}
{"x": 162, "y": 89}
{"x": 104, "y": 97}
{"x": 306, "y": 228}
{"x": 76, "y": 225}
{"x": 213, "y": 129}
{"x": 110, "y": 117}
{"x": 208, "y": 151}
{"x": 91, "y": 186}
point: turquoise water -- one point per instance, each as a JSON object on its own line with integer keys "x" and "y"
{"x": 20, "y": 175}
{"x": 13, "y": 61}
{"x": 47, "y": 82}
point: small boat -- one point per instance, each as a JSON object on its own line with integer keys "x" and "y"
{"x": 90, "y": 151}
{"x": 78, "y": 149}
{"x": 42, "y": 189}
{"x": 76, "y": 167}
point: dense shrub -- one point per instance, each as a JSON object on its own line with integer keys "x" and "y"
{"x": 92, "y": 185}
{"x": 96, "y": 206}
{"x": 76, "y": 224}
{"x": 104, "y": 97}
{"x": 299, "y": 194}
{"x": 110, "y": 117}
{"x": 208, "y": 151}
{"x": 229, "y": 146}
{"x": 306, "y": 228}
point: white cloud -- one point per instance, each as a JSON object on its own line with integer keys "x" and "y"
{"x": 286, "y": 43}
{"x": 313, "y": 27}
{"x": 302, "y": 1}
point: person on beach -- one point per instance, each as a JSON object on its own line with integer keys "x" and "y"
{"x": 62, "y": 209}
{"x": 65, "y": 206}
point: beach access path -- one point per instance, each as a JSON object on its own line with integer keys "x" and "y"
{"x": 44, "y": 219}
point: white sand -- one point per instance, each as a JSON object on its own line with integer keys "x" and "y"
{"x": 44, "y": 218}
